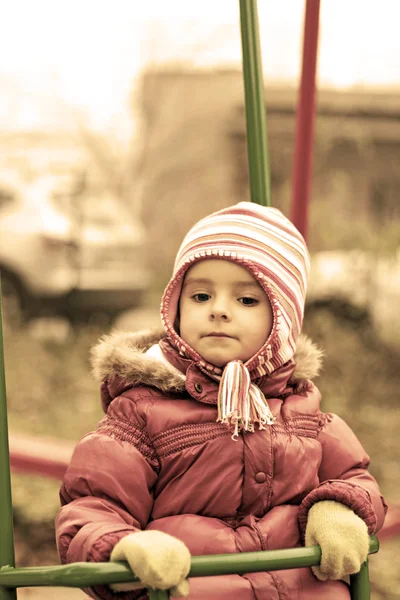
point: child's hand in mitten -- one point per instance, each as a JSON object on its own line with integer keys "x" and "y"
{"x": 342, "y": 536}
{"x": 158, "y": 559}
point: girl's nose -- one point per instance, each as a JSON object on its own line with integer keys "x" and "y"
{"x": 220, "y": 311}
{"x": 219, "y": 316}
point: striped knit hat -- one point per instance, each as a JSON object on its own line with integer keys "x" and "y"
{"x": 268, "y": 245}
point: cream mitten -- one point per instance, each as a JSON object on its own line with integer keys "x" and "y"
{"x": 342, "y": 536}
{"x": 158, "y": 559}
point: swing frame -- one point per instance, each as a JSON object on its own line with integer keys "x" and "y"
{"x": 90, "y": 574}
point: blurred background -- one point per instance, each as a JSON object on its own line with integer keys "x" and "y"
{"x": 121, "y": 124}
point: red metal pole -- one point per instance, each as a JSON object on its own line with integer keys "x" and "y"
{"x": 42, "y": 456}
{"x": 303, "y": 156}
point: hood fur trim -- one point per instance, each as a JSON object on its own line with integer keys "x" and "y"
{"x": 123, "y": 355}
{"x": 308, "y": 358}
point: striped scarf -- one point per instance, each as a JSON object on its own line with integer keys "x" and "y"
{"x": 241, "y": 404}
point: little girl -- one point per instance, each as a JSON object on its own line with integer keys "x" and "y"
{"x": 213, "y": 440}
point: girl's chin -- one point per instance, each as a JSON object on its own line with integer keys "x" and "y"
{"x": 218, "y": 360}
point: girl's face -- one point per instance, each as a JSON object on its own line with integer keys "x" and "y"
{"x": 224, "y": 313}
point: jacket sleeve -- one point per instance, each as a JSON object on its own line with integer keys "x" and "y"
{"x": 344, "y": 476}
{"x": 107, "y": 493}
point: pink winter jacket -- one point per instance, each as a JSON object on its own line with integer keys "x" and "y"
{"x": 159, "y": 460}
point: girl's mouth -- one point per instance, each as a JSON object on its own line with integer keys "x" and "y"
{"x": 218, "y": 334}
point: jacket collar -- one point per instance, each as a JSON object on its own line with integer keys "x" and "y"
{"x": 122, "y": 360}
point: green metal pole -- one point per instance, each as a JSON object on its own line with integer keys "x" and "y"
{"x": 257, "y": 147}
{"x": 88, "y": 574}
{"x": 6, "y": 517}
{"x": 359, "y": 584}
{"x": 158, "y": 595}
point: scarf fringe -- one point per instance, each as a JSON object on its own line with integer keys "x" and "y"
{"x": 241, "y": 404}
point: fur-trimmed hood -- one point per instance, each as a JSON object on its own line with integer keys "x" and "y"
{"x": 123, "y": 355}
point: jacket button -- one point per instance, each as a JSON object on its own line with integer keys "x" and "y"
{"x": 198, "y": 387}
{"x": 260, "y": 477}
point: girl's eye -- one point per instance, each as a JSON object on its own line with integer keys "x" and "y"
{"x": 201, "y": 297}
{"x": 248, "y": 301}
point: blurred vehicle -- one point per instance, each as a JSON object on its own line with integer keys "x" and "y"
{"x": 363, "y": 286}
{"x": 66, "y": 254}
{"x": 111, "y": 275}
{"x": 37, "y": 253}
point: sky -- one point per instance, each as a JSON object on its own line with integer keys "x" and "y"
{"x": 82, "y": 57}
